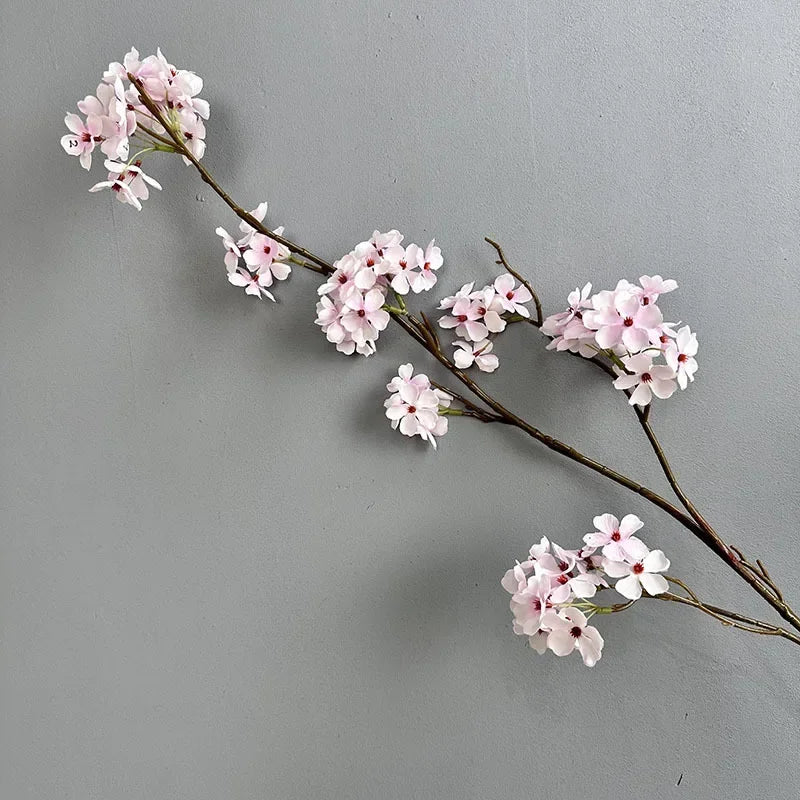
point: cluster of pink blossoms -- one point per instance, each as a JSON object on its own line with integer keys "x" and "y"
{"x": 415, "y": 406}
{"x": 479, "y": 315}
{"x": 351, "y": 307}
{"x": 265, "y": 260}
{"x": 551, "y": 590}
{"x": 628, "y": 325}
{"x": 115, "y": 117}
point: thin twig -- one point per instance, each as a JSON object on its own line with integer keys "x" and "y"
{"x": 504, "y": 262}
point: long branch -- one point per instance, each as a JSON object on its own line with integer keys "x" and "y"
{"x": 419, "y": 333}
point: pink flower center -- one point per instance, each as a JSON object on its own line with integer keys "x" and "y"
{"x": 628, "y": 322}
{"x": 637, "y": 569}
{"x": 576, "y": 632}
{"x": 646, "y": 377}
{"x": 616, "y": 536}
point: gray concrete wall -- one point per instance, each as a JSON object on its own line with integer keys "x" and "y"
{"x": 221, "y": 574}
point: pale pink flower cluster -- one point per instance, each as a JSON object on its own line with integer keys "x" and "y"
{"x": 479, "y": 315}
{"x": 650, "y": 356}
{"x": 351, "y": 309}
{"x": 415, "y": 406}
{"x": 265, "y": 260}
{"x": 115, "y": 116}
{"x": 551, "y": 590}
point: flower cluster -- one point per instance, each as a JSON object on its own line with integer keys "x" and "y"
{"x": 415, "y": 406}
{"x": 627, "y": 325}
{"x": 478, "y": 315}
{"x": 115, "y": 116}
{"x": 265, "y": 260}
{"x": 551, "y": 590}
{"x": 351, "y": 309}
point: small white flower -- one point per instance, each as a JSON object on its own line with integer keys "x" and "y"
{"x": 477, "y": 353}
{"x": 639, "y": 574}
{"x": 649, "y": 379}
{"x": 680, "y": 355}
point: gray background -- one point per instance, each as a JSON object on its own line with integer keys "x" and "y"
{"x": 223, "y": 576}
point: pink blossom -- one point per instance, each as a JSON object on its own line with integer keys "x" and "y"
{"x": 616, "y": 537}
{"x": 465, "y": 318}
{"x": 232, "y": 252}
{"x": 430, "y": 261}
{"x": 128, "y": 182}
{"x": 577, "y": 301}
{"x": 569, "y": 630}
{"x": 414, "y": 406}
{"x": 647, "y": 378}
{"x": 620, "y": 318}
{"x": 680, "y": 356}
{"x": 638, "y": 574}
{"x": 405, "y": 374}
{"x": 259, "y": 213}
{"x": 477, "y": 353}
{"x": 512, "y": 297}
{"x": 365, "y": 317}
{"x": 530, "y": 604}
{"x": 193, "y": 131}
{"x": 653, "y": 288}
{"x": 405, "y": 268}
{"x": 262, "y": 252}
{"x": 254, "y": 284}
{"x": 81, "y": 142}
{"x": 489, "y": 309}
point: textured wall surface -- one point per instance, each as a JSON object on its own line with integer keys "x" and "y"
{"x": 221, "y": 574}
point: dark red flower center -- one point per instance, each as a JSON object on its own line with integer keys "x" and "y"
{"x": 616, "y": 536}
{"x": 412, "y": 409}
{"x": 361, "y": 312}
{"x": 682, "y": 358}
{"x": 637, "y": 569}
{"x": 462, "y": 317}
{"x": 576, "y": 632}
{"x": 628, "y": 322}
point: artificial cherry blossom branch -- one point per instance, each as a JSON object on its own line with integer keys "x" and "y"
{"x": 422, "y": 334}
{"x": 621, "y": 331}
